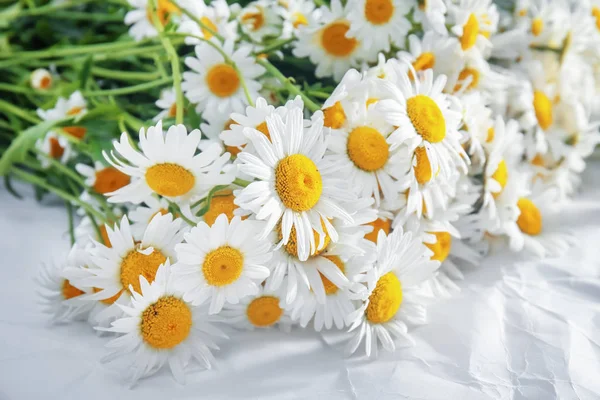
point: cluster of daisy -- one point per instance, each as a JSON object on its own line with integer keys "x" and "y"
{"x": 454, "y": 130}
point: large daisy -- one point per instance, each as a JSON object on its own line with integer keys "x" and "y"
{"x": 296, "y": 186}
{"x": 161, "y": 328}
{"x": 167, "y": 165}
{"x": 214, "y": 85}
{"x": 221, "y": 263}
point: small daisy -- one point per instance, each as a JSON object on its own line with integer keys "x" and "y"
{"x": 216, "y": 17}
{"x": 296, "y": 185}
{"x": 261, "y": 19}
{"x": 378, "y": 22}
{"x": 478, "y": 126}
{"x": 167, "y": 103}
{"x": 474, "y": 22}
{"x": 221, "y": 263}
{"x": 327, "y": 45}
{"x": 211, "y": 127}
{"x": 297, "y": 14}
{"x": 167, "y": 165}
{"x": 392, "y": 297}
{"x": 141, "y": 215}
{"x": 74, "y": 106}
{"x": 431, "y": 14}
{"x": 41, "y": 79}
{"x": 214, "y": 85}
{"x": 103, "y": 179}
{"x": 140, "y": 17}
{"x": 160, "y": 328}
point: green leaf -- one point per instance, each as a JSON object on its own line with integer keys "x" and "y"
{"x": 84, "y": 74}
{"x": 9, "y": 14}
{"x": 24, "y": 142}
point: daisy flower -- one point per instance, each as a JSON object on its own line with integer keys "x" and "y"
{"x": 297, "y": 14}
{"x": 392, "y": 297}
{"x": 474, "y": 22}
{"x": 160, "y": 328}
{"x": 478, "y": 126}
{"x": 74, "y": 106}
{"x": 140, "y": 17}
{"x": 141, "y": 215}
{"x": 214, "y": 84}
{"x": 167, "y": 165}
{"x": 296, "y": 186}
{"x": 431, "y": 14}
{"x": 102, "y": 179}
{"x": 262, "y": 310}
{"x": 221, "y": 263}
{"x": 327, "y": 45}
{"x": 382, "y": 222}
{"x": 41, "y": 79}
{"x": 167, "y": 103}
{"x": 211, "y": 127}
{"x": 261, "y": 19}
{"x": 378, "y": 22}
{"x": 216, "y": 17}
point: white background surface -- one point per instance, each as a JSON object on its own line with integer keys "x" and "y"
{"x": 518, "y": 330}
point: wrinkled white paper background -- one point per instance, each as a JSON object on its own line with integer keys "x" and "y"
{"x": 518, "y": 330}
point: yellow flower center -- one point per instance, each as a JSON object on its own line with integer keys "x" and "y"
{"x": 424, "y": 61}
{"x": 367, "y": 148}
{"x": 530, "y": 219}
{"x": 298, "y": 182}
{"x": 110, "y": 300}
{"x": 441, "y": 247}
{"x": 264, "y": 311}
{"x": 164, "y": 11}
{"x": 522, "y": 12}
{"x": 334, "y": 116}
{"x": 223, "y": 266}
{"x": 385, "y": 300}
{"x": 379, "y": 12}
{"x": 69, "y": 291}
{"x": 299, "y": 19}
{"x": 378, "y": 224}
{"x": 537, "y": 25}
{"x": 77, "y": 132}
{"x": 255, "y": 20}
{"x": 262, "y": 128}
{"x": 470, "y": 32}
{"x": 75, "y": 110}
{"x": 543, "y": 109}
{"x": 135, "y": 264}
{"x": 371, "y": 100}
{"x": 467, "y": 73}
{"x": 170, "y": 179}
{"x": 334, "y": 40}
{"x": 45, "y": 82}
{"x": 210, "y": 25}
{"x": 173, "y": 110}
{"x": 221, "y": 203}
{"x": 538, "y": 160}
{"x": 500, "y": 175}
{"x": 423, "y": 167}
{"x": 330, "y": 287}
{"x": 596, "y": 14}
{"x": 56, "y": 150}
{"x": 166, "y": 323}
{"x": 222, "y": 80}
{"x": 491, "y": 133}
{"x": 427, "y": 118}
{"x": 110, "y": 179}
{"x": 292, "y": 245}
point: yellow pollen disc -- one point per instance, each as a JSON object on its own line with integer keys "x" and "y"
{"x": 538, "y": 160}
{"x": 222, "y": 80}
{"x": 470, "y": 32}
{"x": 135, "y": 264}
{"x": 169, "y": 179}
{"x": 379, "y": 12}
{"x": 530, "y": 219}
{"x": 537, "y": 25}
{"x": 264, "y": 311}
{"x": 330, "y": 287}
{"x": 166, "y": 323}
{"x": 491, "y": 133}
{"x": 465, "y": 74}
{"x": 441, "y": 247}
{"x": 427, "y": 118}
{"x": 334, "y": 116}
{"x": 378, "y": 224}
{"x": 423, "y": 167}
{"x": 262, "y": 128}
{"x": 173, "y": 110}
{"x": 543, "y": 109}
{"x": 223, "y": 266}
{"x": 292, "y": 245}
{"x": 110, "y": 300}
{"x": 77, "y": 132}
{"x": 233, "y": 150}
{"x": 424, "y": 61}
{"x": 367, "y": 148}
{"x": 298, "y": 182}
{"x": 110, "y": 179}
{"x": 210, "y": 25}
{"x": 163, "y": 11}
{"x": 256, "y": 20}
{"x": 500, "y": 176}
{"x": 45, "y": 82}
{"x": 299, "y": 19}
{"x": 371, "y": 100}
{"x": 69, "y": 291}
{"x": 522, "y": 12}
{"x": 221, "y": 203}
{"x": 385, "y": 300}
{"x": 56, "y": 150}
{"x": 334, "y": 40}
{"x": 75, "y": 110}
{"x": 596, "y": 14}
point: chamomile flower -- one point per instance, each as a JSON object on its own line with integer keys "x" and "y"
{"x": 377, "y": 23}
{"x": 211, "y": 128}
{"x": 234, "y": 136}
{"x": 160, "y": 328}
{"x": 434, "y": 51}
{"x": 478, "y": 126}
{"x": 167, "y": 103}
{"x": 74, "y": 106}
{"x": 474, "y": 22}
{"x": 296, "y": 186}
{"x": 263, "y": 310}
{"x": 261, "y": 19}
{"x": 327, "y": 45}
{"x": 141, "y": 215}
{"x": 53, "y": 145}
{"x": 431, "y": 14}
{"x": 297, "y": 14}
{"x": 41, "y": 79}
{"x": 221, "y": 263}
{"x": 216, "y": 17}
{"x": 214, "y": 85}
{"x": 167, "y": 165}
{"x": 140, "y": 18}
{"x": 102, "y": 179}
{"x": 393, "y": 295}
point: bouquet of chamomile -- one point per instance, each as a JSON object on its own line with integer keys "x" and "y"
{"x": 299, "y": 164}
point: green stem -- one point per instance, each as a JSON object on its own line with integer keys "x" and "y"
{"x": 7, "y": 87}
{"x": 275, "y": 46}
{"x": 319, "y": 94}
{"x": 85, "y": 16}
{"x": 50, "y": 8}
{"x": 130, "y": 89}
{"x": 125, "y": 75}
{"x": 241, "y": 182}
{"x": 70, "y": 220}
{"x": 11, "y": 109}
{"x": 292, "y": 89}
{"x": 180, "y": 214}
{"x": 201, "y": 24}
{"x": 62, "y": 168}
